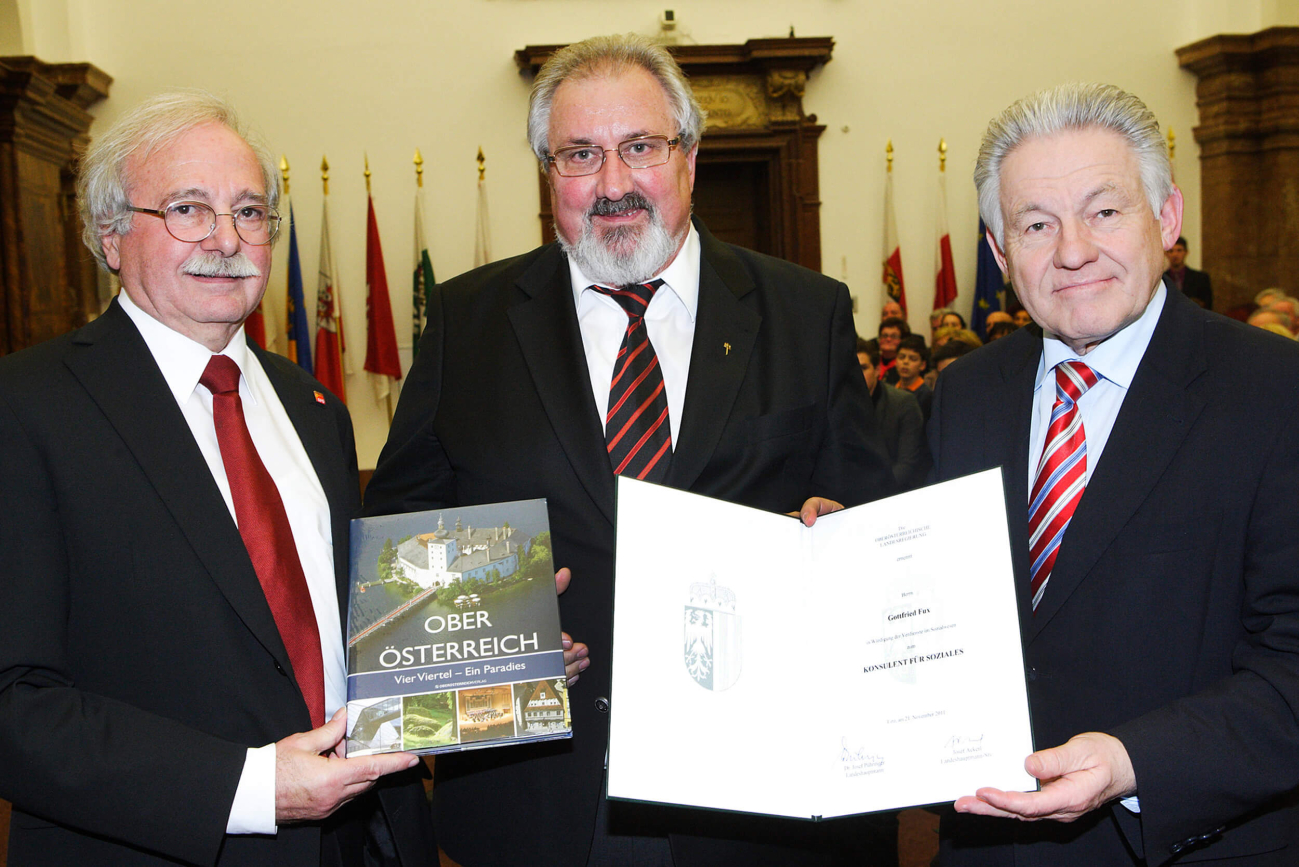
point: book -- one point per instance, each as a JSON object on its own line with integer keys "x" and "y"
{"x": 875, "y": 657}
{"x": 453, "y": 637}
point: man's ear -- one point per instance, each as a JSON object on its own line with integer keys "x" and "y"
{"x": 1170, "y": 219}
{"x": 997, "y": 253}
{"x": 108, "y": 243}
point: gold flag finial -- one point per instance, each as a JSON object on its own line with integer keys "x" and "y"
{"x": 942, "y": 155}
{"x": 419, "y": 168}
{"x": 1172, "y": 144}
{"x": 482, "y": 163}
{"x": 324, "y": 173}
{"x": 367, "y": 174}
{"x": 888, "y": 152}
{"x": 284, "y": 172}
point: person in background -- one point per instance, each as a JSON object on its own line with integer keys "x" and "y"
{"x": 1191, "y": 283}
{"x": 900, "y": 421}
{"x": 890, "y": 334}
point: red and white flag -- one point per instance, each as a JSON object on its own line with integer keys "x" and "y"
{"x": 330, "y": 345}
{"x": 944, "y": 271}
{"x": 894, "y": 287}
{"x": 255, "y": 326}
{"x": 381, "y": 358}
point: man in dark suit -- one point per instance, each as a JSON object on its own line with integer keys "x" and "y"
{"x": 898, "y": 419}
{"x": 519, "y": 391}
{"x": 1159, "y": 604}
{"x": 171, "y": 607}
{"x": 1193, "y": 284}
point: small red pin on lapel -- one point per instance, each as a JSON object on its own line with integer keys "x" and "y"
{"x": 320, "y": 398}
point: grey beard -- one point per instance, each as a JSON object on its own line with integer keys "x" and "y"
{"x": 627, "y": 254}
{"x": 206, "y": 263}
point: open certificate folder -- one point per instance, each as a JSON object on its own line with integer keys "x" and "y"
{"x": 871, "y": 662}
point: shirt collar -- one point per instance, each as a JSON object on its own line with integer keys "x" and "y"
{"x": 681, "y": 277}
{"x": 182, "y": 360}
{"x": 1115, "y": 359}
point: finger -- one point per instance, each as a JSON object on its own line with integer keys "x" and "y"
{"x": 371, "y": 768}
{"x": 575, "y": 662}
{"x": 816, "y": 506}
{"x": 324, "y": 738}
{"x": 1051, "y": 802}
{"x": 974, "y": 806}
{"x": 562, "y": 577}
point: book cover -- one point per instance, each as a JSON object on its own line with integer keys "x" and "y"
{"x": 453, "y": 637}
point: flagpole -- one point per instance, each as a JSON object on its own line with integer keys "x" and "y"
{"x": 387, "y": 397}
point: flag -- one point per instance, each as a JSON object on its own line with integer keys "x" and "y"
{"x": 423, "y": 280}
{"x": 988, "y": 285}
{"x": 299, "y": 338}
{"x": 894, "y": 288}
{"x": 483, "y": 234}
{"x": 329, "y": 317}
{"x": 255, "y": 326}
{"x": 381, "y": 340}
{"x": 944, "y": 270}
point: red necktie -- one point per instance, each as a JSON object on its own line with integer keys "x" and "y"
{"x": 636, "y": 428}
{"x": 1061, "y": 474}
{"x": 264, "y": 526}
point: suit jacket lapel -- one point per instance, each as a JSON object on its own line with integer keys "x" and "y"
{"x": 1157, "y": 413}
{"x": 114, "y": 365}
{"x": 546, "y": 326}
{"x": 715, "y": 371}
{"x": 1013, "y": 409}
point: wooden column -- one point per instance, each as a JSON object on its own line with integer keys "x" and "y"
{"x": 47, "y": 278}
{"x": 1248, "y": 99}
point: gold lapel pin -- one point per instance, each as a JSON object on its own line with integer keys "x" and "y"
{"x": 727, "y": 347}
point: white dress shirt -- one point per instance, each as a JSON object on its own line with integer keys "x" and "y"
{"x": 669, "y": 320}
{"x": 182, "y": 362}
{"x": 1115, "y": 362}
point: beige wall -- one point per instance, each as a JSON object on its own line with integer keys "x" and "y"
{"x": 341, "y": 79}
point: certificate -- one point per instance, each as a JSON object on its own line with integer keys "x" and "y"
{"x": 871, "y": 662}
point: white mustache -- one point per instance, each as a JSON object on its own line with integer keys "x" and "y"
{"x": 206, "y": 263}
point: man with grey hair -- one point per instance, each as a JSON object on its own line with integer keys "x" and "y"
{"x": 1151, "y": 496}
{"x": 741, "y": 383}
{"x": 171, "y": 658}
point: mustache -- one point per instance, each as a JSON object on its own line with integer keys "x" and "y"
{"x": 630, "y": 202}
{"x": 206, "y": 263}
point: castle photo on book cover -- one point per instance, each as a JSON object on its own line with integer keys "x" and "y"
{"x": 453, "y": 631}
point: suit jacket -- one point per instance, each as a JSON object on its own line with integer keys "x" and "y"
{"x": 138, "y": 656}
{"x": 901, "y": 425}
{"x": 498, "y": 407}
{"x": 1196, "y": 285}
{"x": 1172, "y": 617}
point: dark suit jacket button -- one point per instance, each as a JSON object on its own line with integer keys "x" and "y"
{"x": 602, "y": 704}
{"x": 280, "y": 668}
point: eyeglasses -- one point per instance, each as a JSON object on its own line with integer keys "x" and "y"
{"x": 192, "y": 222}
{"x": 643, "y": 152}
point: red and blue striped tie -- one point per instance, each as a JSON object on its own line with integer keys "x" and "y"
{"x": 1061, "y": 474}
{"x": 636, "y": 428}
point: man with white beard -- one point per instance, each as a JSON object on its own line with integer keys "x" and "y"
{"x": 637, "y": 345}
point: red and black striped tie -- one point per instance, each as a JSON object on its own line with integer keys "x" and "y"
{"x": 636, "y": 427}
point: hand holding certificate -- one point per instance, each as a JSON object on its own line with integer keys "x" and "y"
{"x": 914, "y": 693}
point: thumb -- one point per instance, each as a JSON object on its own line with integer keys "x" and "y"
{"x": 1048, "y": 764}
{"x": 327, "y": 736}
